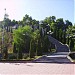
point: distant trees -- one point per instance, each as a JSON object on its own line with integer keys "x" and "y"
{"x": 57, "y": 26}
{"x": 35, "y": 43}
{"x": 31, "y": 35}
{"x": 22, "y": 37}
{"x": 27, "y": 41}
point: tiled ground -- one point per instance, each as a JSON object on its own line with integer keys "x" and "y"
{"x": 36, "y": 69}
{"x": 54, "y": 68}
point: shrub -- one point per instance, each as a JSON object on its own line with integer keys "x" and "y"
{"x": 25, "y": 56}
{"x": 12, "y": 56}
{"x": 73, "y": 49}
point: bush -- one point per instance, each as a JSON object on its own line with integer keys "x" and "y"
{"x": 25, "y": 56}
{"x": 19, "y": 55}
{"x": 12, "y": 56}
{"x": 73, "y": 49}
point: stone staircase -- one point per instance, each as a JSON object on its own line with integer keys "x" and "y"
{"x": 58, "y": 45}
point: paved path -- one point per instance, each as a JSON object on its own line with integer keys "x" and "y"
{"x": 59, "y": 57}
{"x": 54, "y": 68}
{"x": 36, "y": 69}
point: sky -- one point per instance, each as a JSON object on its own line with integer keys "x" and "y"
{"x": 38, "y": 9}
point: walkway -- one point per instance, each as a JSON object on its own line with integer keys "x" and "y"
{"x": 36, "y": 69}
{"x": 55, "y": 66}
{"x": 60, "y": 47}
{"x": 59, "y": 57}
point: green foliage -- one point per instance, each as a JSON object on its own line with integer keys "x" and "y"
{"x": 21, "y": 34}
{"x": 32, "y": 37}
{"x": 5, "y": 53}
{"x": 46, "y": 44}
{"x": 38, "y": 48}
{"x": 31, "y": 52}
{"x": 71, "y": 44}
{"x": 14, "y": 48}
{"x": 37, "y": 42}
{"x": 12, "y": 56}
{"x": 20, "y": 54}
{"x": 22, "y": 37}
{"x": 7, "y": 22}
{"x": 25, "y": 56}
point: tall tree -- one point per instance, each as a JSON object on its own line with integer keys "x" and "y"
{"x": 22, "y": 37}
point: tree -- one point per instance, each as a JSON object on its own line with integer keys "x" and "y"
{"x": 54, "y": 29}
{"x": 71, "y": 43}
{"x": 27, "y": 20}
{"x": 46, "y": 44}
{"x": 13, "y": 22}
{"x": 68, "y": 23}
{"x": 53, "y": 18}
{"x": 33, "y": 39}
{"x": 7, "y": 22}
{"x": 14, "y": 48}
{"x": 22, "y": 37}
{"x": 69, "y": 33}
{"x": 5, "y": 53}
{"x": 37, "y": 40}
{"x": 32, "y": 49}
